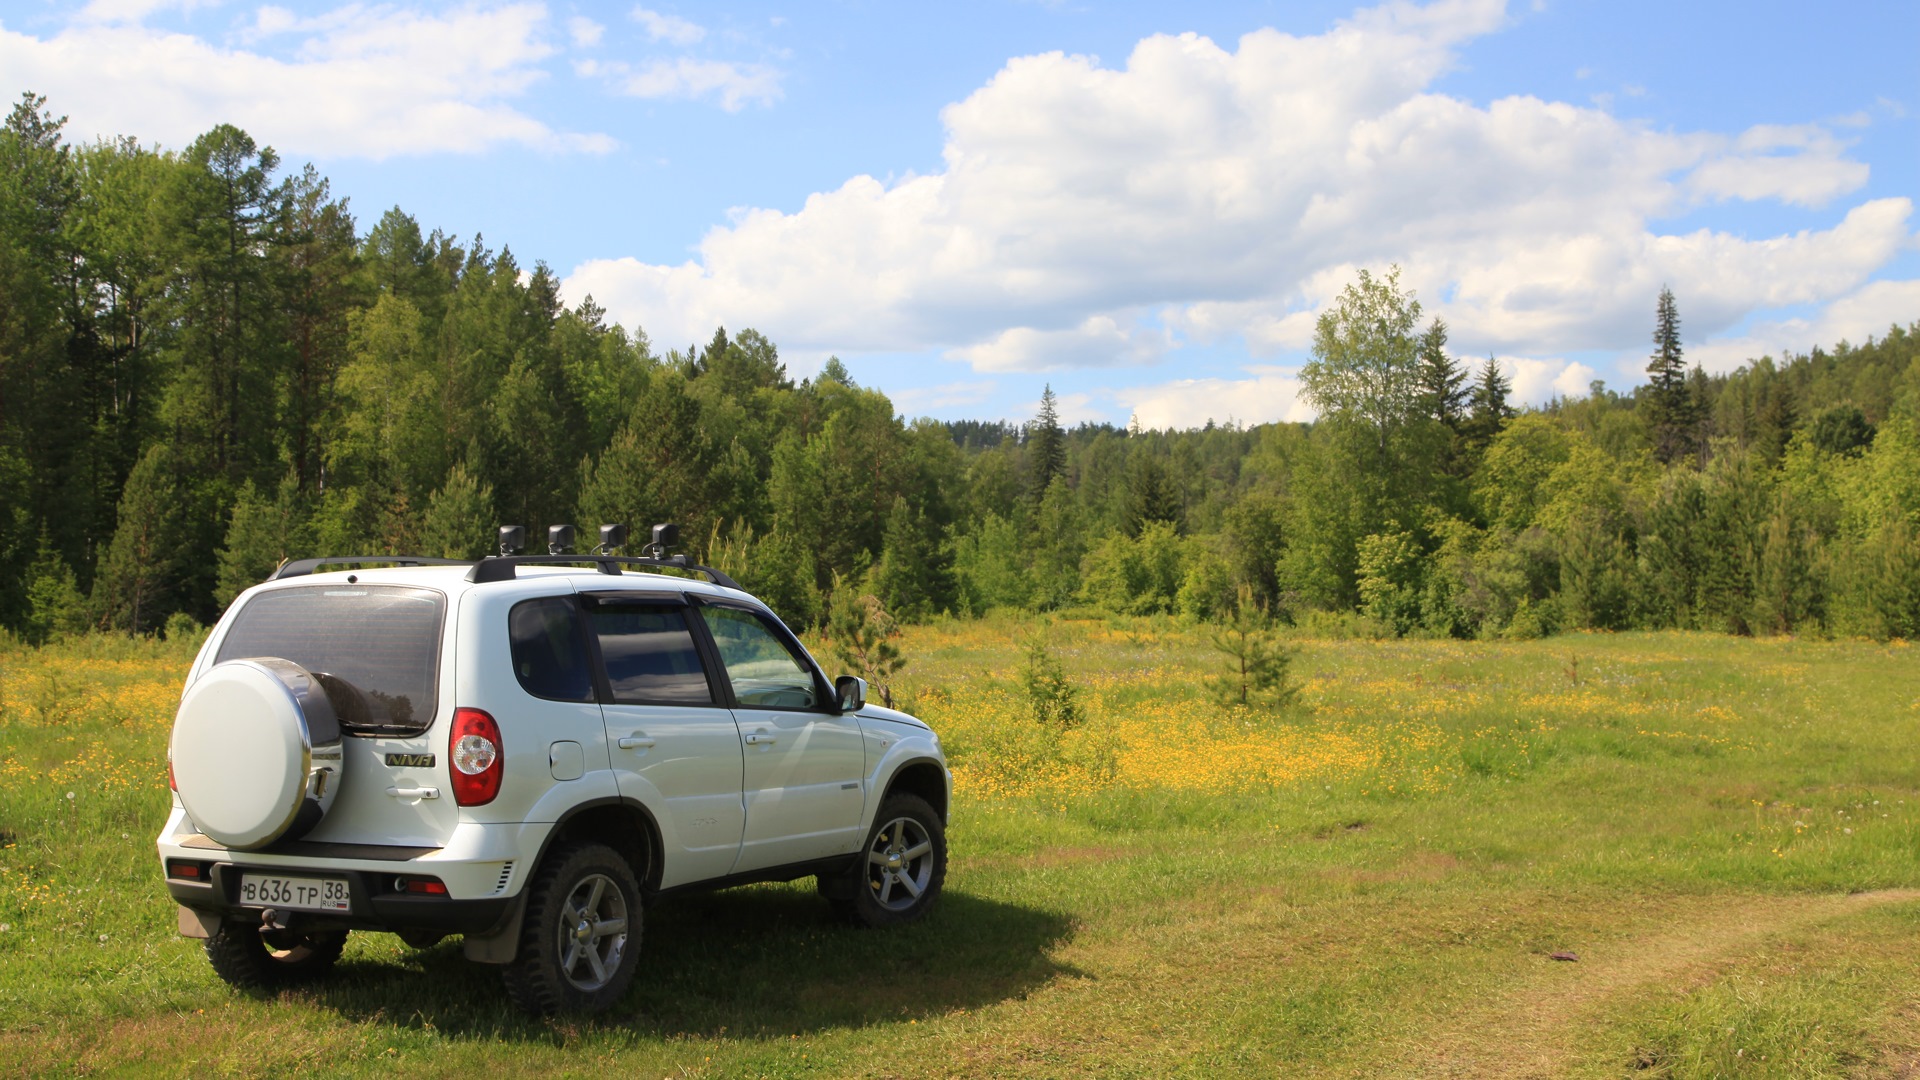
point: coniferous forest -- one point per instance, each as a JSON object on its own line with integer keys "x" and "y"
{"x": 208, "y": 364}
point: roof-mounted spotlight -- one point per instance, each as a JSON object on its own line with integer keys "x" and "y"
{"x": 559, "y": 539}
{"x": 612, "y": 538}
{"x": 513, "y": 539}
{"x": 665, "y": 537}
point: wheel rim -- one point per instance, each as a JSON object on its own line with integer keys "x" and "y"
{"x": 592, "y": 932}
{"x": 899, "y": 864}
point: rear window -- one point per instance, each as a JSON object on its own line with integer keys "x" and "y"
{"x": 549, "y": 656}
{"x": 650, "y": 655}
{"x": 376, "y": 648}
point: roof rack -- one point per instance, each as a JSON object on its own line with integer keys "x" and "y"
{"x": 502, "y": 567}
{"x": 302, "y": 567}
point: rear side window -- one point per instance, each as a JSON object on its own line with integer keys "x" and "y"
{"x": 649, "y": 655}
{"x": 549, "y": 653}
{"x": 375, "y": 648}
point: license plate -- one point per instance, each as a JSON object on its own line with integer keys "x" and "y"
{"x": 311, "y": 894}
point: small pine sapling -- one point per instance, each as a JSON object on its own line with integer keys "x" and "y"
{"x": 1056, "y": 704}
{"x": 862, "y": 635}
{"x": 1256, "y": 660}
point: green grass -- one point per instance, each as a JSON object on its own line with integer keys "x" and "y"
{"x": 1723, "y": 831}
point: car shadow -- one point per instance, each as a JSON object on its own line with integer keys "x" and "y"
{"x": 759, "y": 961}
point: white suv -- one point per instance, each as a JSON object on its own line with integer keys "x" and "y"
{"x": 525, "y": 751}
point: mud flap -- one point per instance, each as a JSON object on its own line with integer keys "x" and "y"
{"x": 197, "y": 924}
{"x": 500, "y": 944}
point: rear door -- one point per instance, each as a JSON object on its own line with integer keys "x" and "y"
{"x": 805, "y": 763}
{"x": 378, "y": 651}
{"x": 673, "y": 741}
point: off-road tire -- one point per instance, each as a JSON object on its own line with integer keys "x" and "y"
{"x": 880, "y": 890}
{"x": 560, "y": 900}
{"x": 241, "y": 956}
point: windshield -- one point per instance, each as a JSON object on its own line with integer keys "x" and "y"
{"x": 376, "y": 648}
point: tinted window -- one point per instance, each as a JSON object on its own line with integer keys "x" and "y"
{"x": 549, "y": 653}
{"x": 650, "y": 656}
{"x": 763, "y": 671}
{"x": 380, "y": 644}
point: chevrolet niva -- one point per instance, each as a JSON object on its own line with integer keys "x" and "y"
{"x": 525, "y": 751}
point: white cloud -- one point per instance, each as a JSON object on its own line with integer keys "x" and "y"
{"x": 668, "y": 28}
{"x": 1866, "y": 312}
{"x": 1810, "y": 172}
{"x": 354, "y": 81}
{"x": 1536, "y": 380}
{"x": 584, "y": 31}
{"x": 1270, "y": 395}
{"x": 925, "y": 400}
{"x": 1230, "y": 193}
{"x": 735, "y": 85}
{"x": 1100, "y": 341}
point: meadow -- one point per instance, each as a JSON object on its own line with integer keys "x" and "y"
{"x": 1716, "y": 834}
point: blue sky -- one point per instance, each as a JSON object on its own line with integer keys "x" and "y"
{"x": 1143, "y": 206}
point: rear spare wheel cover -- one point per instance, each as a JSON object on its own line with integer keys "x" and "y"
{"x": 249, "y": 739}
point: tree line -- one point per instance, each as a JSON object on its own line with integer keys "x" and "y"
{"x": 206, "y": 367}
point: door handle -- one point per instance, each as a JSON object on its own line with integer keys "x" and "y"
{"x": 414, "y": 792}
{"x": 759, "y": 737}
{"x": 632, "y": 742}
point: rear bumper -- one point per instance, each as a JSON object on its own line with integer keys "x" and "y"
{"x": 376, "y": 903}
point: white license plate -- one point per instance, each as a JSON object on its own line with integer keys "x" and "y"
{"x": 310, "y": 894}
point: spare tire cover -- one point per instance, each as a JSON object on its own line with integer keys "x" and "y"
{"x": 256, "y": 752}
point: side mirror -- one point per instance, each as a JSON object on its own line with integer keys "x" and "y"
{"x": 852, "y": 692}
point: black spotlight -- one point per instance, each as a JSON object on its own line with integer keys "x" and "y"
{"x": 559, "y": 539}
{"x": 612, "y": 538}
{"x": 513, "y": 539}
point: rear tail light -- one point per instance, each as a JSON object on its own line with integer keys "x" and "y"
{"x": 187, "y": 870}
{"x": 478, "y": 759}
{"x": 171, "y": 782}
{"x": 420, "y": 886}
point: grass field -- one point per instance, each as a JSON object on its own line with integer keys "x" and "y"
{"x": 1723, "y": 831}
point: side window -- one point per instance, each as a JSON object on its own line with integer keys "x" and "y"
{"x": 650, "y": 656}
{"x": 549, "y": 654}
{"x": 763, "y": 672}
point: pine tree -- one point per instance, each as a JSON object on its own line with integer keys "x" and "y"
{"x": 255, "y": 544}
{"x": 1490, "y": 409}
{"x": 139, "y": 577}
{"x": 1256, "y": 660}
{"x": 915, "y": 576}
{"x": 1055, "y": 701}
{"x": 460, "y": 521}
{"x": 862, "y": 634}
{"x": 1150, "y": 495}
{"x": 1443, "y": 380}
{"x": 1670, "y": 413}
{"x": 56, "y": 607}
{"x": 1046, "y": 447}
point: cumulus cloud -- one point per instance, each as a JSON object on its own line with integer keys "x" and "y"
{"x": 351, "y": 82}
{"x": 669, "y": 28}
{"x": 734, "y": 85}
{"x": 1083, "y": 212}
{"x": 1100, "y": 341}
{"x": 1803, "y": 165}
{"x": 584, "y": 31}
{"x": 1271, "y": 394}
{"x": 927, "y": 400}
{"x": 1868, "y": 311}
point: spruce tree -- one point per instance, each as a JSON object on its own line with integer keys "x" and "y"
{"x": 138, "y": 581}
{"x": 1046, "y": 447}
{"x": 460, "y": 521}
{"x": 1670, "y": 416}
{"x": 1443, "y": 380}
{"x": 1150, "y": 495}
{"x": 1490, "y": 409}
